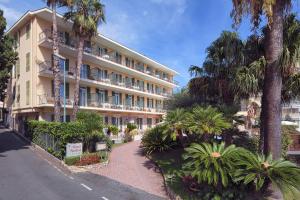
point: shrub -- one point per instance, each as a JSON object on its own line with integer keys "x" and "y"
{"x": 72, "y": 160}
{"x": 211, "y": 164}
{"x": 92, "y": 123}
{"x": 156, "y": 139}
{"x": 129, "y": 134}
{"x": 113, "y": 129}
{"x": 260, "y": 170}
{"x": 88, "y": 159}
{"x": 131, "y": 126}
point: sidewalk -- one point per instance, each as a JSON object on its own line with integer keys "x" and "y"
{"x": 127, "y": 165}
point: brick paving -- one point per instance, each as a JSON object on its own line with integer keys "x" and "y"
{"x": 127, "y": 165}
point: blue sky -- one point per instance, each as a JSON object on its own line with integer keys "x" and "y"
{"x": 172, "y": 32}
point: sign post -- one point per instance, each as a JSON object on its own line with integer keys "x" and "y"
{"x": 73, "y": 149}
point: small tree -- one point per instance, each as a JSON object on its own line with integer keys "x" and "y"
{"x": 8, "y": 57}
{"x": 93, "y": 126}
{"x": 206, "y": 122}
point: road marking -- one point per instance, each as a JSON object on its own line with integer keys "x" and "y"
{"x": 86, "y": 187}
{"x": 104, "y": 198}
{"x": 70, "y": 177}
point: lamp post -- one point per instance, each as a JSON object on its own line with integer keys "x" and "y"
{"x": 64, "y": 75}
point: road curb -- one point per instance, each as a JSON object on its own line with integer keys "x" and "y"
{"x": 44, "y": 154}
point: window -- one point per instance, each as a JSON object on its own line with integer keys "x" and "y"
{"x": 118, "y": 58}
{"x": 27, "y": 31}
{"x": 106, "y": 120}
{"x": 149, "y": 122}
{"x": 17, "y": 39}
{"x": 129, "y": 100}
{"x": 116, "y": 98}
{"x": 157, "y": 120}
{"x": 84, "y": 71}
{"x": 18, "y": 93}
{"x": 61, "y": 90}
{"x": 27, "y": 62}
{"x": 27, "y": 92}
{"x": 150, "y": 103}
{"x": 139, "y": 123}
{"x": 18, "y": 68}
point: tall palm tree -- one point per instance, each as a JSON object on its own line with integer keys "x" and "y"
{"x": 55, "y": 64}
{"x": 86, "y": 16}
{"x": 271, "y": 99}
{"x": 274, "y": 52}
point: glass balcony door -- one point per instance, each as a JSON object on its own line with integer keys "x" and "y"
{"x": 83, "y": 97}
{"x": 116, "y": 98}
{"x": 84, "y": 70}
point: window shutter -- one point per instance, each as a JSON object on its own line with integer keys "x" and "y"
{"x": 18, "y": 67}
{"x": 52, "y": 88}
{"x": 88, "y": 69}
{"x": 27, "y": 62}
{"x": 88, "y": 89}
{"x": 120, "y": 98}
{"x": 67, "y": 90}
{"x": 132, "y": 97}
{"x": 67, "y": 64}
{"x": 106, "y": 96}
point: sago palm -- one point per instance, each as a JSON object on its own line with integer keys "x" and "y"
{"x": 210, "y": 163}
{"x": 206, "y": 122}
{"x": 260, "y": 170}
{"x": 86, "y": 16}
{"x": 175, "y": 120}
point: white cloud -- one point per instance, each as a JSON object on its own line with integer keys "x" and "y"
{"x": 10, "y": 14}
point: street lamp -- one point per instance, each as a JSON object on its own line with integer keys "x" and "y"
{"x": 64, "y": 65}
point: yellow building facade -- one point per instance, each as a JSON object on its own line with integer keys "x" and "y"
{"x": 121, "y": 84}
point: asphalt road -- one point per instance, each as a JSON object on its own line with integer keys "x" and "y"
{"x": 26, "y": 176}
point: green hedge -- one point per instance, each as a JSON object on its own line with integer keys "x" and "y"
{"x": 53, "y": 136}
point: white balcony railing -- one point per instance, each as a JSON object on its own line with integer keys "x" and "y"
{"x": 46, "y": 35}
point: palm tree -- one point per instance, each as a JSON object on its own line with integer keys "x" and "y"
{"x": 86, "y": 16}
{"x": 211, "y": 81}
{"x": 55, "y": 64}
{"x": 260, "y": 170}
{"x": 271, "y": 99}
{"x": 175, "y": 120}
{"x": 211, "y": 163}
{"x": 249, "y": 79}
{"x": 206, "y": 122}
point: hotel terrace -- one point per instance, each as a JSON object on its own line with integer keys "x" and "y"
{"x": 121, "y": 84}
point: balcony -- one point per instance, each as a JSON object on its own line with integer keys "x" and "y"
{"x": 107, "y": 82}
{"x": 92, "y": 50}
{"x": 95, "y": 103}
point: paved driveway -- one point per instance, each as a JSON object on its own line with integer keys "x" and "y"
{"x": 26, "y": 176}
{"x": 128, "y": 165}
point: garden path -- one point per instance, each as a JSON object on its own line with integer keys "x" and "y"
{"x": 129, "y": 166}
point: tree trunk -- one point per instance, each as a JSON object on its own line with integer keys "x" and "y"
{"x": 262, "y": 132}
{"x": 55, "y": 67}
{"x": 273, "y": 84}
{"x": 271, "y": 104}
{"x": 77, "y": 77}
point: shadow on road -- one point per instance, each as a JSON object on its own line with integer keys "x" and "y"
{"x": 10, "y": 142}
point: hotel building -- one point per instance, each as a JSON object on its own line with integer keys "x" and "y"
{"x": 121, "y": 84}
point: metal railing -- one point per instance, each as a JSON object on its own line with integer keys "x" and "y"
{"x": 95, "y": 101}
{"x": 70, "y": 42}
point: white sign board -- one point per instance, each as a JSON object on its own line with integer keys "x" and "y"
{"x": 74, "y": 149}
{"x": 100, "y": 146}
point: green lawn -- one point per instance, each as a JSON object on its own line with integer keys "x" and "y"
{"x": 170, "y": 162}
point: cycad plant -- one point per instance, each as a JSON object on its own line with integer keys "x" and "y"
{"x": 260, "y": 171}
{"x": 206, "y": 122}
{"x": 211, "y": 163}
{"x": 175, "y": 121}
